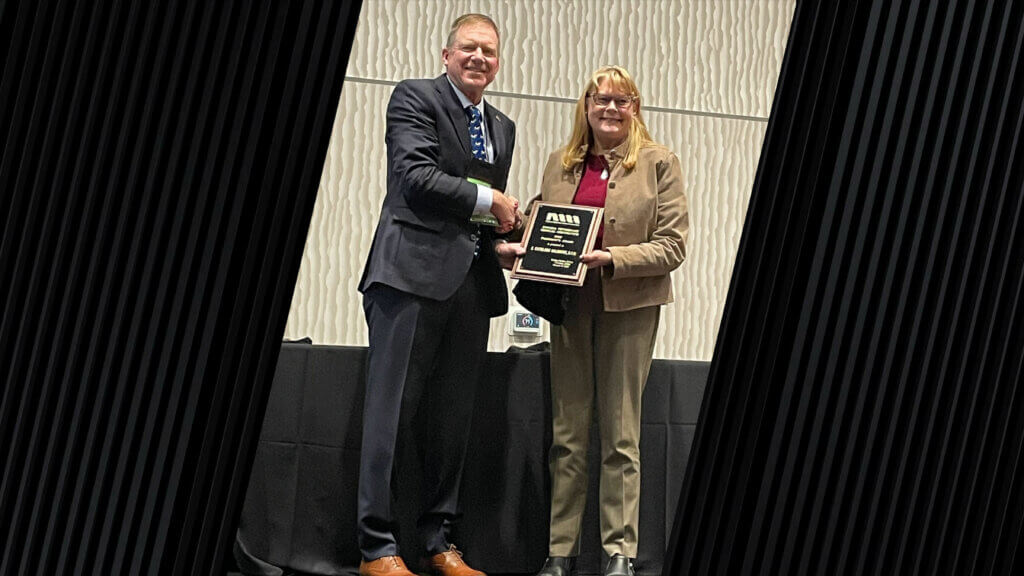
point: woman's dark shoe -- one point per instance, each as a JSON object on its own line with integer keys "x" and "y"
{"x": 558, "y": 566}
{"x": 619, "y": 565}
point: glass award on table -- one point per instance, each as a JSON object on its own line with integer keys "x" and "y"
{"x": 481, "y": 173}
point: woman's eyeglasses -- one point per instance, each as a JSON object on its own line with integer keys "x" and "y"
{"x": 603, "y": 100}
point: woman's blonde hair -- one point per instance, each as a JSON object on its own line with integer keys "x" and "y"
{"x": 582, "y": 138}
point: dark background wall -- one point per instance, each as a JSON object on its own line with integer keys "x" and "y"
{"x": 159, "y": 165}
{"x": 862, "y": 414}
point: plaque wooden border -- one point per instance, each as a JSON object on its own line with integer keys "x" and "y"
{"x": 574, "y": 278}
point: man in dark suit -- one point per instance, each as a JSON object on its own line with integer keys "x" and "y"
{"x": 431, "y": 283}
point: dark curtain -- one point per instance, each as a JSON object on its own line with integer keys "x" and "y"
{"x": 862, "y": 414}
{"x": 159, "y": 165}
{"x": 300, "y": 510}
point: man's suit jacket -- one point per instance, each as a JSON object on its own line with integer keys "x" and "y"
{"x": 424, "y": 242}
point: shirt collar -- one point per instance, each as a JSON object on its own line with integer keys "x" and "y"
{"x": 463, "y": 100}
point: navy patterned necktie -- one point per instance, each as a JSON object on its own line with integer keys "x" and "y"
{"x": 476, "y": 133}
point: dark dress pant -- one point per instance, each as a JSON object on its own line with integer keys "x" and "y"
{"x": 423, "y": 369}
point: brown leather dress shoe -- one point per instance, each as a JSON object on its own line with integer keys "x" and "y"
{"x": 449, "y": 563}
{"x": 384, "y": 566}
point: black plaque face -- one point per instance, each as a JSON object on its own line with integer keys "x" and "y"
{"x": 556, "y": 236}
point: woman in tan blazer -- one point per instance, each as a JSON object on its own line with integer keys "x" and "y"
{"x": 601, "y": 354}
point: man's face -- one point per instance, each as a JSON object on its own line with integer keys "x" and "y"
{"x": 472, "y": 59}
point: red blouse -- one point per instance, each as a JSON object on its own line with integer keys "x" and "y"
{"x": 593, "y": 188}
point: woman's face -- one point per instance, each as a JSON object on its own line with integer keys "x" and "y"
{"x": 610, "y": 113}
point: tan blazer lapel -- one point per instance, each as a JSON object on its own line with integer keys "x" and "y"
{"x": 565, "y": 188}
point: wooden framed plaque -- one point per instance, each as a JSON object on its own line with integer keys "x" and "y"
{"x": 555, "y": 238}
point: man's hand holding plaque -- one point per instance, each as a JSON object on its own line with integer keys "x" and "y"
{"x": 597, "y": 259}
{"x": 556, "y": 236}
{"x": 508, "y": 252}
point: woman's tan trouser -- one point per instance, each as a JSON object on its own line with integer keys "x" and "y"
{"x": 604, "y": 356}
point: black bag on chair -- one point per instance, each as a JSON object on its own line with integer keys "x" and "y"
{"x": 544, "y": 299}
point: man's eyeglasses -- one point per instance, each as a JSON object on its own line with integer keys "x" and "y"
{"x": 603, "y": 100}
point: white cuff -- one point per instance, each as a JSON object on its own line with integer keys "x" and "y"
{"x": 484, "y": 198}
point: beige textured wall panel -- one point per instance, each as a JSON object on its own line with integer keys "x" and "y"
{"x": 326, "y": 305}
{"x": 727, "y": 65}
{"x": 720, "y": 56}
{"x": 719, "y": 159}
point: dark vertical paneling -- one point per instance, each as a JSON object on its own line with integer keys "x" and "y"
{"x": 862, "y": 414}
{"x": 159, "y": 166}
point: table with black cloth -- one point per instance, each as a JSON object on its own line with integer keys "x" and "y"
{"x": 300, "y": 508}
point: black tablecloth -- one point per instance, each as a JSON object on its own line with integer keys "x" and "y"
{"x": 300, "y": 507}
